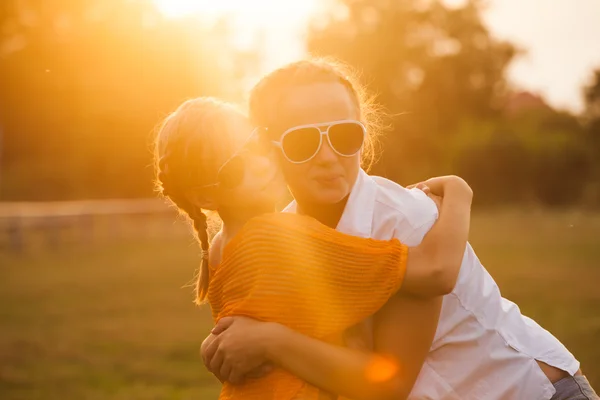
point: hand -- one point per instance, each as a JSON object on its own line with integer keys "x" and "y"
{"x": 439, "y": 186}
{"x": 237, "y": 347}
{"x": 256, "y": 373}
{"x": 425, "y": 189}
{"x": 203, "y": 349}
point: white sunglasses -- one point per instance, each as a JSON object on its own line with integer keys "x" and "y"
{"x": 302, "y": 143}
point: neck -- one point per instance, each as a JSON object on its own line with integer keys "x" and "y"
{"x": 327, "y": 214}
{"x": 235, "y": 219}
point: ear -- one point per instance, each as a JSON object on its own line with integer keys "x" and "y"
{"x": 205, "y": 198}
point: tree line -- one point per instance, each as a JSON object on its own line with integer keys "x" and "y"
{"x": 84, "y": 83}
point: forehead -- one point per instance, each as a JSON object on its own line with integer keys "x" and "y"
{"x": 316, "y": 103}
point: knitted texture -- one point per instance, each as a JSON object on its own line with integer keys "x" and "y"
{"x": 293, "y": 270}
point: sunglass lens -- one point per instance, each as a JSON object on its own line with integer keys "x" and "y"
{"x": 347, "y": 138}
{"x": 301, "y": 144}
{"x": 232, "y": 173}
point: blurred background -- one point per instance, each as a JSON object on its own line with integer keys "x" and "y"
{"x": 94, "y": 301}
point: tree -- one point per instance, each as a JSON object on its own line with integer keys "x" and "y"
{"x": 592, "y": 119}
{"x": 592, "y": 114}
{"x": 84, "y": 82}
{"x": 432, "y": 65}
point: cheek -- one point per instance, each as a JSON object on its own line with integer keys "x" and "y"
{"x": 296, "y": 175}
{"x": 351, "y": 166}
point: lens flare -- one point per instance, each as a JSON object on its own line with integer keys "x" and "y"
{"x": 381, "y": 369}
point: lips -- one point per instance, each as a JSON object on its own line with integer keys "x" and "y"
{"x": 328, "y": 179}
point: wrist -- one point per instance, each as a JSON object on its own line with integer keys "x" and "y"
{"x": 274, "y": 341}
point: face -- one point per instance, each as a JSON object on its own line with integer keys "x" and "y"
{"x": 328, "y": 177}
{"x": 251, "y": 179}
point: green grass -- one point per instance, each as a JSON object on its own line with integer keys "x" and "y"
{"x": 113, "y": 321}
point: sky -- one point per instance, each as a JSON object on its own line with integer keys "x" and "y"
{"x": 560, "y": 38}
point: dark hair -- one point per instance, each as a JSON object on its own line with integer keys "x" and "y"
{"x": 191, "y": 145}
{"x": 267, "y": 94}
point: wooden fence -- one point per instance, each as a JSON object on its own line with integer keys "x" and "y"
{"x": 25, "y": 225}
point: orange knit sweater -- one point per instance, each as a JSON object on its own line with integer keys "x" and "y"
{"x": 293, "y": 270}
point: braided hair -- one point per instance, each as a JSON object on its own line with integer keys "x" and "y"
{"x": 191, "y": 145}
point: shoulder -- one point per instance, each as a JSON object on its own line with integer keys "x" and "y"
{"x": 411, "y": 204}
{"x": 281, "y": 226}
{"x": 216, "y": 246}
{"x": 410, "y": 210}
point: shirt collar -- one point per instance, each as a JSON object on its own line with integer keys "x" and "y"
{"x": 357, "y": 218}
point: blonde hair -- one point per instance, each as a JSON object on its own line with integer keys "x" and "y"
{"x": 267, "y": 93}
{"x": 191, "y": 145}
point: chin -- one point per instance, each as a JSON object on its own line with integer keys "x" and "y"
{"x": 329, "y": 195}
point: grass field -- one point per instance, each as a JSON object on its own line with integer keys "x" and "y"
{"x": 113, "y": 322}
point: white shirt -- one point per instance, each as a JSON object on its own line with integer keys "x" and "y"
{"x": 484, "y": 348}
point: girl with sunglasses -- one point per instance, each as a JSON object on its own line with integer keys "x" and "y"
{"x": 482, "y": 348}
{"x": 291, "y": 269}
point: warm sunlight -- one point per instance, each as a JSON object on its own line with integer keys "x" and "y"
{"x": 263, "y": 9}
{"x": 279, "y": 25}
{"x": 254, "y": 13}
{"x": 178, "y": 8}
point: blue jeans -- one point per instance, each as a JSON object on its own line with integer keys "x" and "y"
{"x": 574, "y": 388}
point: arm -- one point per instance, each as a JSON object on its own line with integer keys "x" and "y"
{"x": 244, "y": 344}
{"x": 239, "y": 345}
{"x": 405, "y": 328}
{"x": 405, "y": 345}
{"x": 388, "y": 373}
{"x": 351, "y": 373}
{"x": 433, "y": 266}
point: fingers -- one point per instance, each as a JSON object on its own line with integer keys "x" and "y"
{"x": 216, "y": 363}
{"x": 225, "y": 371}
{"x": 260, "y": 371}
{"x": 209, "y": 352}
{"x": 436, "y": 185}
{"x": 222, "y": 325}
{"x": 205, "y": 345}
{"x": 423, "y": 187}
{"x": 235, "y": 377}
{"x": 437, "y": 200}
{"x": 238, "y": 374}
{"x": 419, "y": 185}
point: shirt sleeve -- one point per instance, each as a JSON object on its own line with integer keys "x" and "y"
{"x": 423, "y": 215}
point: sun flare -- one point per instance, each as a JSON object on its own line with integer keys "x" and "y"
{"x": 256, "y": 12}
{"x": 280, "y": 24}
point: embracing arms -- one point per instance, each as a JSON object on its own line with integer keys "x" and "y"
{"x": 403, "y": 332}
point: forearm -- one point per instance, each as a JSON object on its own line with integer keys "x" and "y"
{"x": 448, "y": 237}
{"x": 405, "y": 328}
{"x": 335, "y": 369}
{"x": 434, "y": 265}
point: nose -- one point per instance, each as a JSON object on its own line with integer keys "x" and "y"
{"x": 326, "y": 154}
